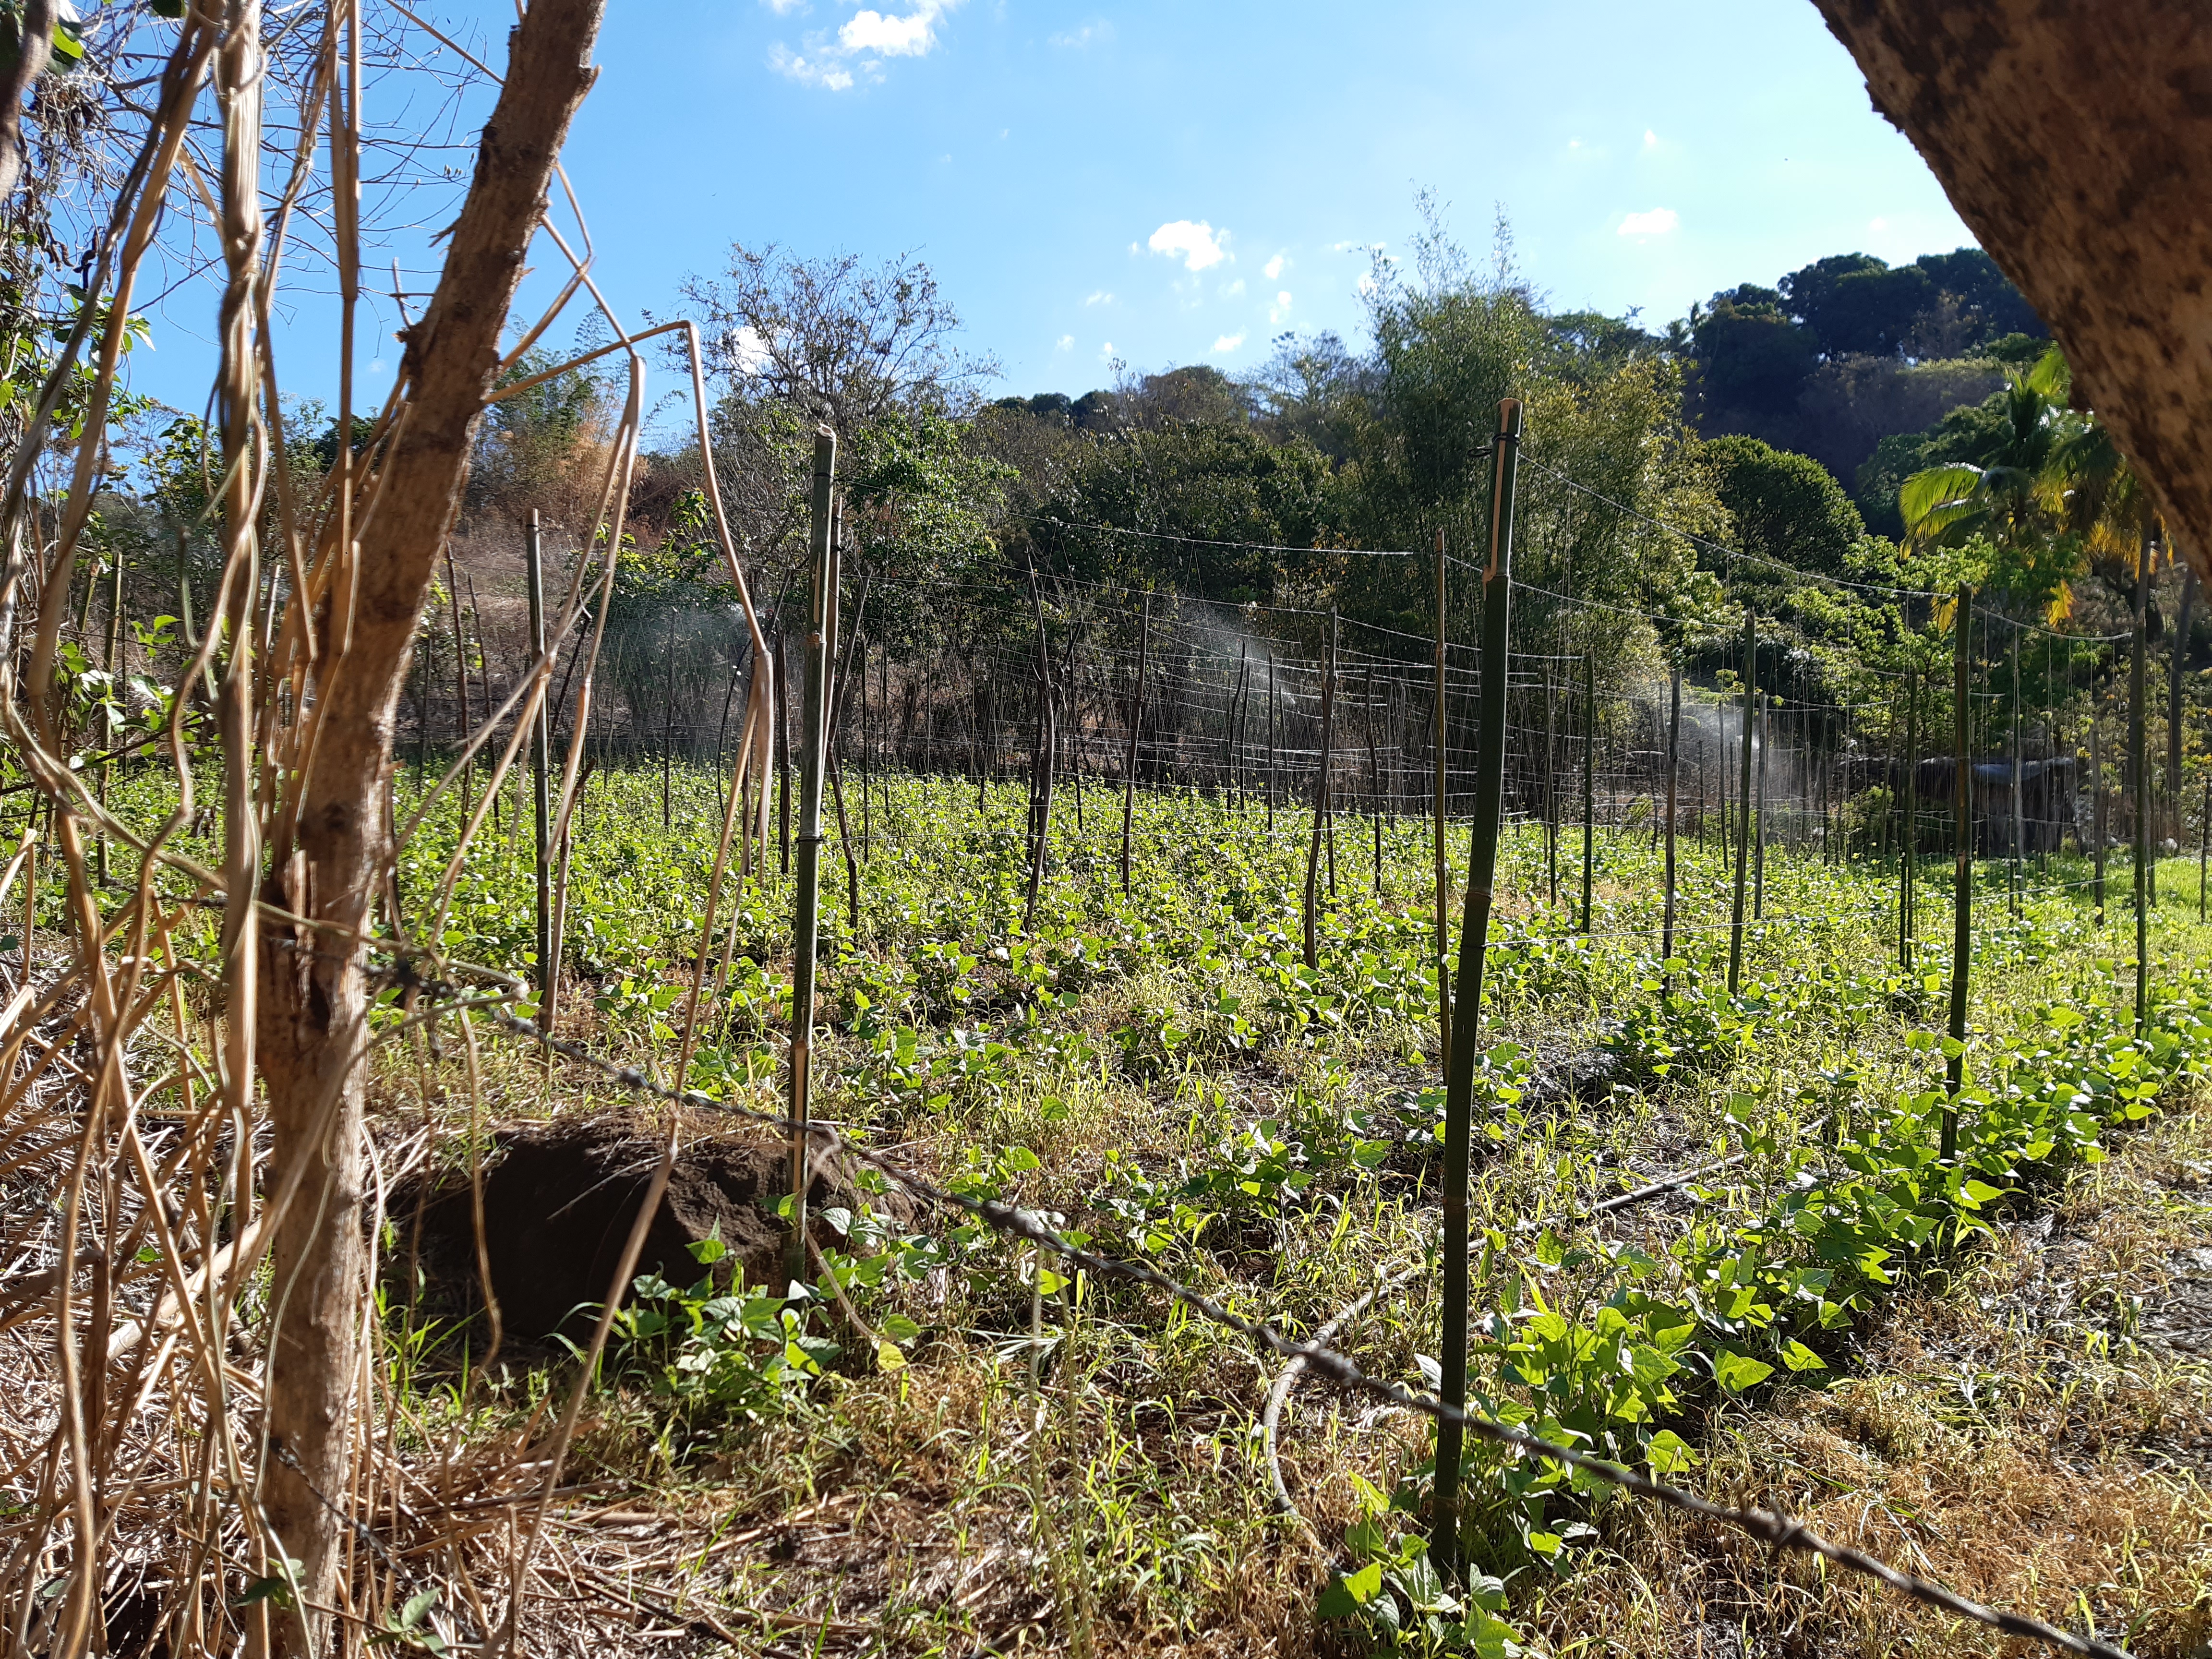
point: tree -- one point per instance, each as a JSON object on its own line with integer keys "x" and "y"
{"x": 2077, "y": 142}
{"x": 837, "y": 342}
{"x": 1199, "y": 483}
{"x": 328, "y": 861}
{"x": 1786, "y": 508}
{"x": 1750, "y": 354}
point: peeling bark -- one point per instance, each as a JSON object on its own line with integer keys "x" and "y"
{"x": 2074, "y": 137}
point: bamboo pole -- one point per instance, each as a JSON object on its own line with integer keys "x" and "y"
{"x": 820, "y": 637}
{"x": 2015, "y": 878}
{"x": 1551, "y": 790}
{"x": 1908, "y": 924}
{"x": 1590, "y": 780}
{"x": 2204, "y": 842}
{"x": 2099, "y": 827}
{"x": 115, "y": 653}
{"x": 1474, "y": 934}
{"x": 1759, "y": 815}
{"x": 2142, "y": 778}
{"x": 1040, "y": 765}
{"x": 2173, "y": 699}
{"x": 1673, "y": 769}
{"x": 1743, "y": 835}
{"x": 1962, "y": 882}
{"x": 1136, "y": 725}
{"x": 1374, "y": 774}
{"x": 1442, "y": 853}
{"x": 782, "y": 759}
{"x": 541, "y": 792}
{"x": 1320, "y": 800}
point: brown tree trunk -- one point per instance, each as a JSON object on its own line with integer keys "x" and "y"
{"x": 35, "y": 29}
{"x": 2074, "y": 136}
{"x": 313, "y": 998}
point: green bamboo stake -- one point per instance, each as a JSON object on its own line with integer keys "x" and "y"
{"x": 1442, "y": 853}
{"x": 1312, "y": 931}
{"x": 2136, "y": 762}
{"x": 1673, "y": 770}
{"x": 1743, "y": 796}
{"x": 1590, "y": 779}
{"x": 1474, "y": 932}
{"x": 813, "y": 756}
{"x": 1908, "y": 923}
{"x": 1962, "y": 886}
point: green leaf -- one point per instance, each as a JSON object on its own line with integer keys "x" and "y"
{"x": 1669, "y": 1453}
{"x": 1737, "y": 1371}
{"x": 1799, "y": 1358}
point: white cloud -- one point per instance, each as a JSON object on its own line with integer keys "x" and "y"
{"x": 1232, "y": 290}
{"x": 1274, "y": 268}
{"x": 1229, "y": 342}
{"x": 1199, "y": 245}
{"x": 1100, "y": 297}
{"x": 1574, "y": 143}
{"x": 1090, "y": 34}
{"x": 1877, "y": 226}
{"x": 893, "y": 37}
{"x": 1280, "y": 309}
{"x": 808, "y": 71}
{"x": 1106, "y": 352}
{"x": 1066, "y": 343}
{"x": 1366, "y": 283}
{"x": 751, "y": 350}
{"x": 863, "y": 40}
{"x": 1650, "y": 139}
{"x": 1657, "y": 223}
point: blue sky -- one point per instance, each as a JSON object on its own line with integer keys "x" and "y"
{"x": 1170, "y": 184}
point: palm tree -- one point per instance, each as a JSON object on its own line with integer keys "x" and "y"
{"x": 2007, "y": 499}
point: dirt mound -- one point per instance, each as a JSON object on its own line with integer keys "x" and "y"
{"x": 560, "y": 1200}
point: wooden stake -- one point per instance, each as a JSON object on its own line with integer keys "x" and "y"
{"x": 1320, "y": 799}
{"x": 1674, "y": 768}
{"x": 1442, "y": 853}
{"x": 2015, "y": 878}
{"x": 2136, "y": 765}
{"x": 1908, "y": 924}
{"x": 1743, "y": 835}
{"x": 820, "y": 641}
{"x": 1590, "y": 780}
{"x": 541, "y": 783}
{"x": 1962, "y": 883}
{"x": 1136, "y": 725}
{"x": 1474, "y": 940}
{"x": 1040, "y": 767}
